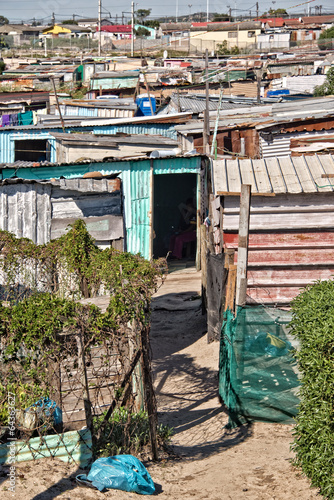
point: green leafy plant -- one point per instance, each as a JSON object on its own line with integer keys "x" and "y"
{"x": 136, "y": 439}
{"x": 325, "y": 40}
{"x": 327, "y": 88}
{"x": 313, "y": 325}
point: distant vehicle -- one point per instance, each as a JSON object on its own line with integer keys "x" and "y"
{"x": 107, "y": 97}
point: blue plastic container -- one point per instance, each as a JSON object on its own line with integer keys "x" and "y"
{"x": 144, "y": 108}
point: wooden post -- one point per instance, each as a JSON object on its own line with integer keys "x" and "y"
{"x": 206, "y": 122}
{"x": 203, "y": 250}
{"x": 230, "y": 287}
{"x": 148, "y": 94}
{"x": 84, "y": 381}
{"x": 57, "y": 102}
{"x": 151, "y": 212}
{"x": 221, "y": 223}
{"x": 149, "y": 391}
{"x": 245, "y": 199}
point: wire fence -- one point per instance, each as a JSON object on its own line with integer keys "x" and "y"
{"x": 81, "y": 382}
{"x": 75, "y": 379}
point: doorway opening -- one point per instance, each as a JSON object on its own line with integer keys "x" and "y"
{"x": 172, "y": 192}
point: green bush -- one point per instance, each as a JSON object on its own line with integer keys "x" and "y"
{"x": 325, "y": 41}
{"x": 127, "y": 433}
{"x": 313, "y": 325}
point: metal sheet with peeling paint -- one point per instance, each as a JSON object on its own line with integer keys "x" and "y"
{"x": 71, "y": 447}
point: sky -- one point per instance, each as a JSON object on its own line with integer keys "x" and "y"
{"x": 41, "y": 10}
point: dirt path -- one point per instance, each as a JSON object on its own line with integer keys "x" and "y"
{"x": 246, "y": 463}
{"x": 250, "y": 463}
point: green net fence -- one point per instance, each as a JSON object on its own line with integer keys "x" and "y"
{"x": 258, "y": 376}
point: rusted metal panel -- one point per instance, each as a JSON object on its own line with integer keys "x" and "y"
{"x": 276, "y": 240}
{"x": 281, "y": 264}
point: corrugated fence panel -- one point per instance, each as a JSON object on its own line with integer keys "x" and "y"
{"x": 280, "y": 144}
{"x": 26, "y": 212}
{"x": 164, "y": 129}
{"x": 290, "y": 244}
{"x": 179, "y": 165}
{"x": 139, "y": 232}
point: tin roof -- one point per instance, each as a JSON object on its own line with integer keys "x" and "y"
{"x": 270, "y": 176}
{"x": 197, "y": 103}
{"x": 109, "y": 161}
{"x": 114, "y": 140}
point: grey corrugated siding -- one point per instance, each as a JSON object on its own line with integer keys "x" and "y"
{"x": 25, "y": 210}
{"x": 280, "y": 144}
{"x": 164, "y": 129}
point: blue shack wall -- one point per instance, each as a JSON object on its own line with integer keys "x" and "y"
{"x": 135, "y": 177}
{"x": 8, "y": 137}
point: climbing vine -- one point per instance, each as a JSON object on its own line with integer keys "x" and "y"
{"x": 41, "y": 318}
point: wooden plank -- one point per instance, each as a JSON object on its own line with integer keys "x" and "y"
{"x": 105, "y": 228}
{"x": 247, "y": 175}
{"x": 83, "y": 206}
{"x": 288, "y": 275}
{"x": 285, "y": 221}
{"x": 328, "y": 166}
{"x": 220, "y": 181}
{"x": 245, "y": 200}
{"x": 295, "y": 256}
{"x": 317, "y": 170}
{"x": 233, "y": 176}
{"x": 279, "y": 295}
{"x": 304, "y": 175}
{"x": 262, "y": 179}
{"x": 275, "y": 176}
{"x": 230, "y": 287}
{"x": 282, "y": 239}
{"x": 291, "y": 179}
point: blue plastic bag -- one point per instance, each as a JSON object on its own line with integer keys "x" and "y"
{"x": 48, "y": 407}
{"x": 120, "y": 472}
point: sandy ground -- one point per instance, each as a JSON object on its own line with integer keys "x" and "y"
{"x": 247, "y": 463}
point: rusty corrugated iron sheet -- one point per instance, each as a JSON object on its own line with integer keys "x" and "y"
{"x": 280, "y": 264}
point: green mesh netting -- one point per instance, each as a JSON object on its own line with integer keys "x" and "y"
{"x": 258, "y": 376}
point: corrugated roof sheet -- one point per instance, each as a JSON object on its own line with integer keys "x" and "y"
{"x": 31, "y": 164}
{"x": 197, "y": 103}
{"x": 286, "y": 175}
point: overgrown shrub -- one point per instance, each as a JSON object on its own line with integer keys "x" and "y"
{"x": 313, "y": 325}
{"x": 115, "y": 440}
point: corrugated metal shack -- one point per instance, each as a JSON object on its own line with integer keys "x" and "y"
{"x": 257, "y": 131}
{"x": 114, "y": 80}
{"x": 42, "y": 210}
{"x": 36, "y": 142}
{"x": 292, "y": 120}
{"x": 152, "y": 189}
{"x": 291, "y": 238}
{"x": 113, "y": 108}
{"x": 73, "y": 147}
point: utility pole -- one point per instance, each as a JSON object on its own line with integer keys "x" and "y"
{"x": 53, "y": 19}
{"x": 177, "y": 11}
{"x": 99, "y": 26}
{"x": 207, "y": 11}
{"x": 132, "y": 28}
{"x": 257, "y": 10}
{"x": 206, "y": 124}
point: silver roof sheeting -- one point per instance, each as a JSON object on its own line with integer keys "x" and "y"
{"x": 285, "y": 175}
